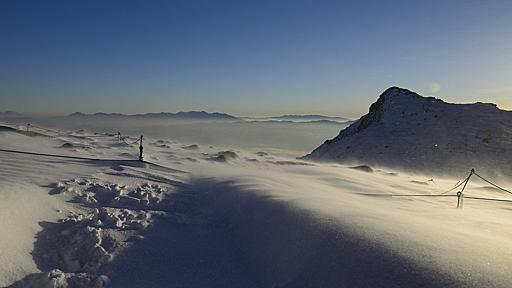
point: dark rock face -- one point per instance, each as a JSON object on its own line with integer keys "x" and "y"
{"x": 404, "y": 130}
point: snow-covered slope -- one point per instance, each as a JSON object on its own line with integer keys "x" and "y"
{"x": 404, "y": 130}
{"x": 235, "y": 218}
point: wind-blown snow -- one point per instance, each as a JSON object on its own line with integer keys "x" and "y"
{"x": 254, "y": 219}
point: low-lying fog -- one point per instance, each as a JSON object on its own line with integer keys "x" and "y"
{"x": 297, "y": 138}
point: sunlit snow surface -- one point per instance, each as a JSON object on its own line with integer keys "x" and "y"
{"x": 243, "y": 218}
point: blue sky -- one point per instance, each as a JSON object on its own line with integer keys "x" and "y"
{"x": 249, "y": 57}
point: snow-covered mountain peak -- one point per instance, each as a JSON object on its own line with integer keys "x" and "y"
{"x": 405, "y": 130}
{"x": 398, "y": 92}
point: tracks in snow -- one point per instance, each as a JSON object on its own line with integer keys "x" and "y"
{"x": 185, "y": 248}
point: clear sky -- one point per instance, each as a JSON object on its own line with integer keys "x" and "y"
{"x": 249, "y": 57}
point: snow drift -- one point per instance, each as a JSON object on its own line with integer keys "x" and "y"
{"x": 404, "y": 130}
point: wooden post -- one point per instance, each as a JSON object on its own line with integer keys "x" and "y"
{"x": 141, "y": 157}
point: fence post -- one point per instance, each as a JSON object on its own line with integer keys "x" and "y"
{"x": 141, "y": 157}
{"x": 460, "y": 194}
{"x": 119, "y": 136}
{"x": 28, "y": 127}
{"x": 460, "y": 199}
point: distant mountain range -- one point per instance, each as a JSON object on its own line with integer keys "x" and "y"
{"x": 277, "y": 121}
{"x": 190, "y": 115}
{"x": 312, "y": 117}
{"x": 198, "y": 115}
{"x": 11, "y": 114}
{"x": 300, "y": 119}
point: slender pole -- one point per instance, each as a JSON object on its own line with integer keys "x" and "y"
{"x": 119, "y": 136}
{"x": 467, "y": 180}
{"x": 141, "y": 157}
{"x": 460, "y": 195}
